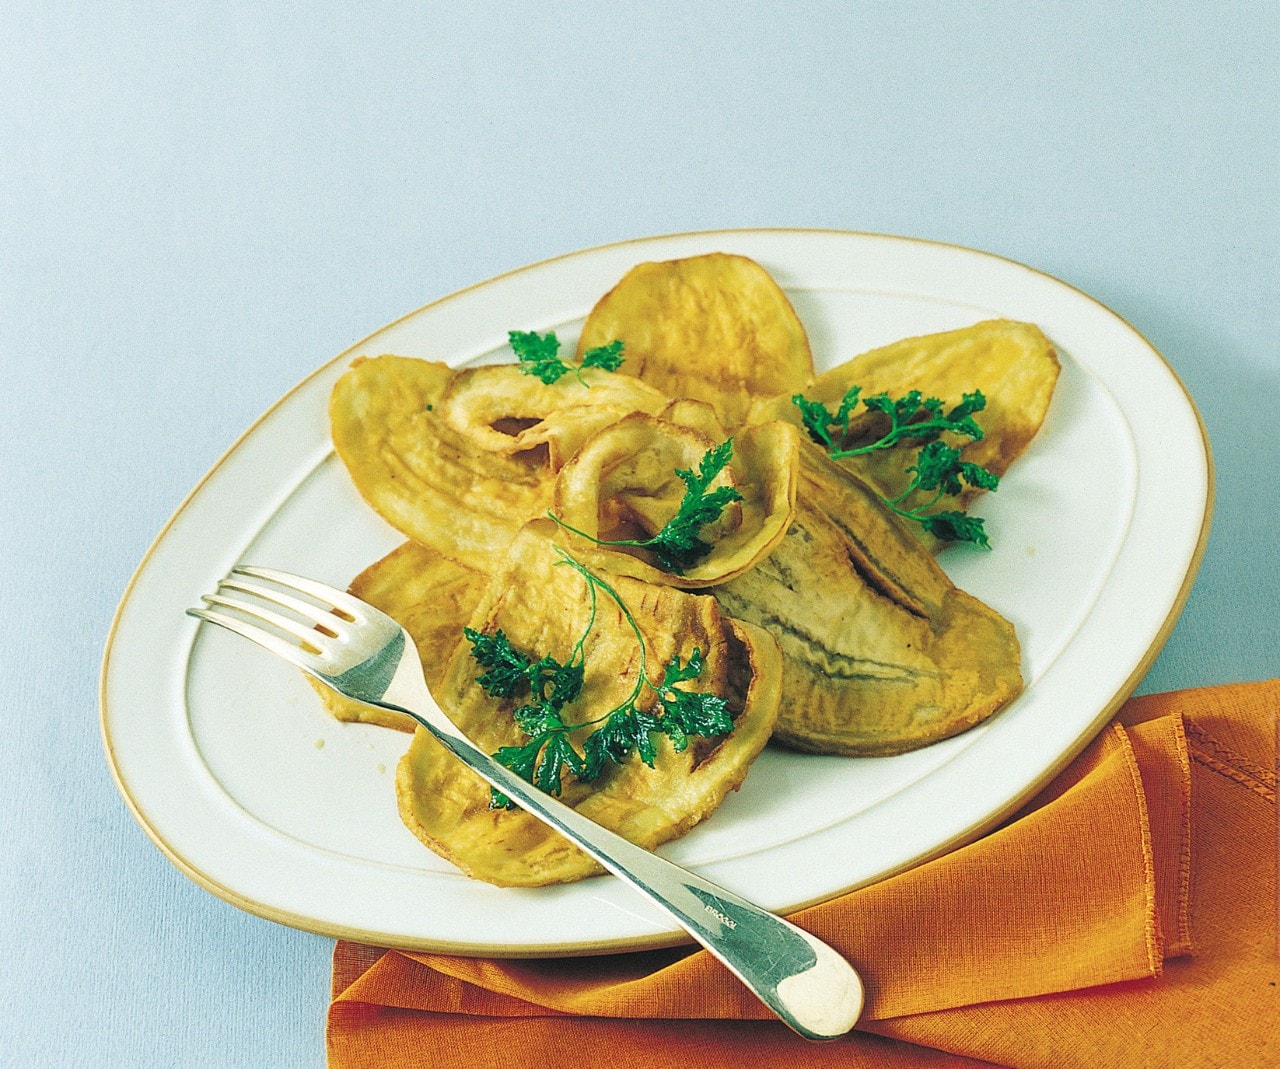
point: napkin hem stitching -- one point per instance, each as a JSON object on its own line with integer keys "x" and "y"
{"x": 1184, "y": 812}
{"x": 1151, "y": 923}
{"x": 1209, "y": 752}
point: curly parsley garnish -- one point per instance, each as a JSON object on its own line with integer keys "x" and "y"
{"x": 539, "y": 355}
{"x": 937, "y": 468}
{"x": 550, "y": 686}
{"x": 678, "y": 544}
{"x": 912, "y": 416}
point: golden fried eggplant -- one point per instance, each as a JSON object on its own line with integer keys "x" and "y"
{"x": 881, "y": 652}
{"x": 715, "y": 328}
{"x": 623, "y": 485}
{"x": 1012, "y": 364}
{"x": 543, "y": 606}
{"x": 459, "y": 460}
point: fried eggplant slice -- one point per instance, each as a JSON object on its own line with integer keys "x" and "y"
{"x": 1013, "y": 365}
{"x": 881, "y": 652}
{"x": 624, "y": 485}
{"x": 432, "y": 597}
{"x": 716, "y": 328}
{"x": 419, "y": 474}
{"x": 545, "y": 607}
{"x": 459, "y": 480}
{"x": 501, "y": 410}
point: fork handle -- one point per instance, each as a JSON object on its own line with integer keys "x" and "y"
{"x": 806, "y": 983}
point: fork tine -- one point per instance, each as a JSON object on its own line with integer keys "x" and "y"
{"x": 299, "y": 629}
{"x": 339, "y": 599}
{"x": 321, "y": 615}
{"x": 268, "y": 641}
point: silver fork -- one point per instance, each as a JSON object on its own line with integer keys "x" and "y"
{"x": 364, "y": 654}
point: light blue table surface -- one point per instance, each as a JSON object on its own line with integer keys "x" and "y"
{"x": 200, "y": 203}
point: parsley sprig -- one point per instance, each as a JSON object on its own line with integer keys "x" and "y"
{"x": 678, "y": 544}
{"x": 539, "y": 355}
{"x": 912, "y": 416}
{"x": 938, "y": 466}
{"x": 549, "y": 686}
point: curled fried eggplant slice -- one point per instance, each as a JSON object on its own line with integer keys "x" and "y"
{"x": 696, "y": 415}
{"x": 716, "y": 328}
{"x": 459, "y": 460}
{"x": 432, "y": 597}
{"x": 544, "y": 608}
{"x": 623, "y": 486}
{"x": 881, "y": 652}
{"x": 422, "y": 476}
{"x": 502, "y": 410}
{"x": 1012, "y": 364}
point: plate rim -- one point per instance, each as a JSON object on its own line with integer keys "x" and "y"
{"x": 974, "y": 830}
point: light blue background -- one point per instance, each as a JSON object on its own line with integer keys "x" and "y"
{"x": 200, "y": 203}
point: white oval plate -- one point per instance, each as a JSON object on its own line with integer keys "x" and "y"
{"x": 227, "y": 760}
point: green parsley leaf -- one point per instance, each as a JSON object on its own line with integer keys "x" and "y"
{"x": 556, "y": 754}
{"x": 508, "y": 672}
{"x": 969, "y": 404}
{"x": 674, "y": 672}
{"x": 539, "y": 355}
{"x": 608, "y": 357}
{"x": 536, "y": 719}
{"x": 506, "y": 669}
{"x": 937, "y": 468}
{"x": 625, "y": 729}
{"x": 911, "y": 416}
{"x": 564, "y": 681}
{"x": 678, "y": 545}
{"x": 955, "y": 527}
{"x": 818, "y": 420}
{"x": 522, "y": 760}
{"x": 686, "y": 712}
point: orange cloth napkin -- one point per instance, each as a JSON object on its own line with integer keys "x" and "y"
{"x": 1127, "y": 917}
